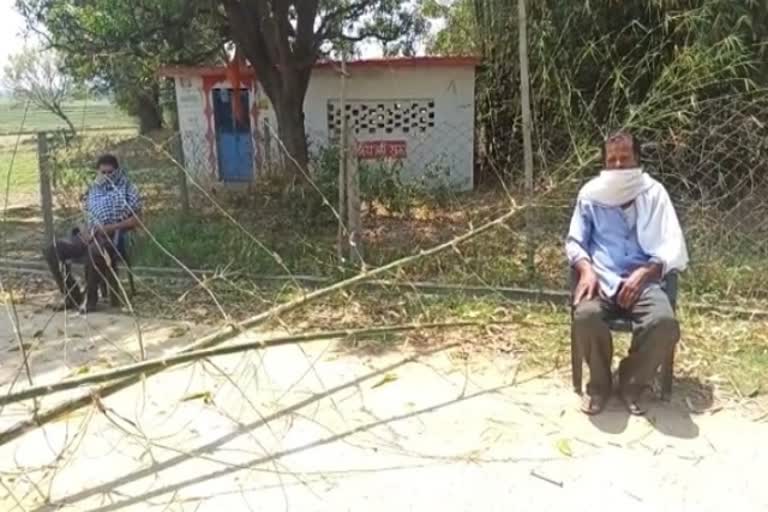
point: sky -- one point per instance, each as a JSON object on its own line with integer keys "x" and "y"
{"x": 11, "y": 31}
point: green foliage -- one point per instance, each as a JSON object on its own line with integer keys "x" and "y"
{"x": 119, "y": 45}
{"x": 460, "y": 35}
{"x": 651, "y": 66}
{"x": 386, "y": 184}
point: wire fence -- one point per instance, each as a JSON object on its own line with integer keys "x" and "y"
{"x": 420, "y": 228}
{"x": 410, "y": 186}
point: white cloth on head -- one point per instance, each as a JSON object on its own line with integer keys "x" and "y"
{"x": 658, "y": 228}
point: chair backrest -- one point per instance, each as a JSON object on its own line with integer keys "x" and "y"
{"x": 668, "y": 284}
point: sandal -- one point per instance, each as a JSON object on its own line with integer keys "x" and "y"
{"x": 631, "y": 401}
{"x": 593, "y": 404}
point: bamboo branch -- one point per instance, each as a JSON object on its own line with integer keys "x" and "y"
{"x": 232, "y": 330}
{"x": 162, "y": 363}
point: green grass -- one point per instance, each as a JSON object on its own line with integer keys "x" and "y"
{"x": 18, "y": 173}
{"x": 83, "y": 114}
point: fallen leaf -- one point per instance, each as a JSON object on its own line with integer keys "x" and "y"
{"x": 564, "y": 447}
{"x": 389, "y": 377}
{"x": 205, "y": 396}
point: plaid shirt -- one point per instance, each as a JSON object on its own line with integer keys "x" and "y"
{"x": 112, "y": 200}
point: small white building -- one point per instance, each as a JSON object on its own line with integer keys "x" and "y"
{"x": 417, "y": 113}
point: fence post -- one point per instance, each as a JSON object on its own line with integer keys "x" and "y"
{"x": 354, "y": 224}
{"x": 46, "y": 197}
{"x": 525, "y": 97}
{"x": 342, "y": 238}
{"x": 178, "y": 155}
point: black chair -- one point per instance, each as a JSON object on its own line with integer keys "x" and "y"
{"x": 669, "y": 285}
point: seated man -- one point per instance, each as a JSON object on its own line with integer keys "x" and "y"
{"x": 623, "y": 239}
{"x": 112, "y": 206}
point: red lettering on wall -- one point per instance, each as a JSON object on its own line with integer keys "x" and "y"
{"x": 380, "y": 149}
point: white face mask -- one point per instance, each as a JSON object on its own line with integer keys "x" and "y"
{"x": 103, "y": 179}
{"x": 616, "y": 187}
{"x": 621, "y": 177}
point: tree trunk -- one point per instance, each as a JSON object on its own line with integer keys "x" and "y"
{"x": 290, "y": 124}
{"x": 149, "y": 112}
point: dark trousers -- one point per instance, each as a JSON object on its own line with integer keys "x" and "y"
{"x": 96, "y": 256}
{"x": 655, "y": 331}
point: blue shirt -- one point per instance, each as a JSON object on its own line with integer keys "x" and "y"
{"x": 607, "y": 237}
{"x": 112, "y": 200}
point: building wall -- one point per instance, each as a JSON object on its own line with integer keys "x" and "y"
{"x": 193, "y": 125}
{"x": 435, "y": 104}
{"x": 197, "y": 126}
{"x": 418, "y": 119}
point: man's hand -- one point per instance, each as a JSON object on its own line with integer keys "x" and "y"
{"x": 588, "y": 286}
{"x": 633, "y": 287}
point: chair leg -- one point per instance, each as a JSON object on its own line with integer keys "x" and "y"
{"x": 667, "y": 375}
{"x": 577, "y": 360}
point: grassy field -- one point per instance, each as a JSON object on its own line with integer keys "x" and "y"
{"x": 18, "y": 167}
{"x": 18, "y": 153}
{"x": 84, "y": 114}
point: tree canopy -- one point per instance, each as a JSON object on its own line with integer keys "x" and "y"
{"x": 120, "y": 44}
{"x": 283, "y": 39}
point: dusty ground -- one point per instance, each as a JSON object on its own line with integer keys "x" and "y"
{"x": 319, "y": 428}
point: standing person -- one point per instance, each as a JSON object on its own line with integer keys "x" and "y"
{"x": 112, "y": 206}
{"x": 624, "y": 238}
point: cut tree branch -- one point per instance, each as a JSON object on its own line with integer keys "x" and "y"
{"x": 162, "y": 363}
{"x": 232, "y": 330}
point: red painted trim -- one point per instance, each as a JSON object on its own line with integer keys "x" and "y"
{"x": 389, "y": 63}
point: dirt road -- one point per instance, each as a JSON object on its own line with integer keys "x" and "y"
{"x": 320, "y": 428}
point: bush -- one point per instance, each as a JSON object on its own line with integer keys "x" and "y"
{"x": 381, "y": 183}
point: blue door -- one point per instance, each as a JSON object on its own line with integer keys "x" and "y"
{"x": 233, "y": 137}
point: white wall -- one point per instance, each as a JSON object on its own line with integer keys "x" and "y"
{"x": 445, "y": 149}
{"x": 190, "y": 102}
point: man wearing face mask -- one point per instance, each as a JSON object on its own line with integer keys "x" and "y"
{"x": 112, "y": 206}
{"x": 624, "y": 238}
